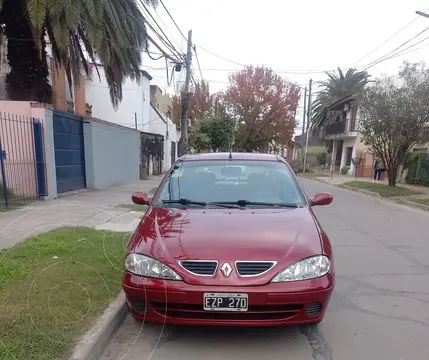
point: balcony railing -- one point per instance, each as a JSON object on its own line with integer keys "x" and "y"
{"x": 336, "y": 128}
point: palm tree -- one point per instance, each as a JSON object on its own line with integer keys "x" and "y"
{"x": 107, "y": 32}
{"x": 337, "y": 86}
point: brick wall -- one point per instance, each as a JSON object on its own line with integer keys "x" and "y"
{"x": 366, "y": 169}
{"x": 59, "y": 83}
{"x": 59, "y": 90}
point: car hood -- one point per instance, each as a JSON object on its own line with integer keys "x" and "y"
{"x": 227, "y": 235}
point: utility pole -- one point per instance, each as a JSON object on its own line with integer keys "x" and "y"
{"x": 308, "y": 125}
{"x": 135, "y": 120}
{"x": 303, "y": 124}
{"x": 183, "y": 142}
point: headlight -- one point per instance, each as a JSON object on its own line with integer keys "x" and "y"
{"x": 305, "y": 269}
{"x": 146, "y": 266}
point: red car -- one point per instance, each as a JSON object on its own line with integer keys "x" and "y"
{"x": 229, "y": 239}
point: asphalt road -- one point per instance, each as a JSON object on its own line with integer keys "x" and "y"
{"x": 379, "y": 310}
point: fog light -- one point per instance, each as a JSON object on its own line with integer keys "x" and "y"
{"x": 139, "y": 306}
{"x": 313, "y": 309}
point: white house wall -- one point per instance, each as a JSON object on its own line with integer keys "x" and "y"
{"x": 112, "y": 154}
{"x": 135, "y": 101}
{"x": 348, "y": 143}
{"x": 158, "y": 126}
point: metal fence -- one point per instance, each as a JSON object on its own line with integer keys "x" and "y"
{"x": 418, "y": 170}
{"x": 151, "y": 153}
{"x": 22, "y": 165}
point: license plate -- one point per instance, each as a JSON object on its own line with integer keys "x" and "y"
{"x": 225, "y": 302}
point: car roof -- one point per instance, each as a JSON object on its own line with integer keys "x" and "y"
{"x": 230, "y": 156}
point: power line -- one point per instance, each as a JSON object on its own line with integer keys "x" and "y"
{"x": 386, "y": 56}
{"x": 174, "y": 22}
{"x": 168, "y": 30}
{"x": 166, "y": 42}
{"x": 220, "y": 57}
{"x": 393, "y": 36}
{"x": 310, "y": 72}
{"x": 198, "y": 62}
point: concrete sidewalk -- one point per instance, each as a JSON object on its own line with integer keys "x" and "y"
{"x": 90, "y": 208}
{"x": 339, "y": 180}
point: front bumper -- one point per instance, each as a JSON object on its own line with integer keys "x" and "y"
{"x": 175, "y": 302}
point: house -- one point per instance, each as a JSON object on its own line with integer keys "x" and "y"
{"x": 134, "y": 109}
{"x": 314, "y": 148}
{"x": 143, "y": 107}
{"x": 81, "y": 140}
{"x": 162, "y": 123}
{"x": 289, "y": 152}
{"x": 347, "y": 145}
{"x": 162, "y": 102}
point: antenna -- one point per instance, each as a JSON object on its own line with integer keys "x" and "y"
{"x": 230, "y": 148}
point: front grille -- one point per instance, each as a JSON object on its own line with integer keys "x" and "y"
{"x": 255, "y": 312}
{"x": 253, "y": 268}
{"x": 200, "y": 267}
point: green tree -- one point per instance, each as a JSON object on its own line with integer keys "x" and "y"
{"x": 395, "y": 118}
{"x": 197, "y": 139}
{"x": 215, "y": 133}
{"x": 335, "y": 87}
{"x": 109, "y": 32}
{"x": 220, "y": 130}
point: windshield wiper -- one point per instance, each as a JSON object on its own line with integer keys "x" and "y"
{"x": 184, "y": 202}
{"x": 191, "y": 202}
{"x": 243, "y": 203}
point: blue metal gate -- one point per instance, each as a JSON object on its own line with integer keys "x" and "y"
{"x": 69, "y": 152}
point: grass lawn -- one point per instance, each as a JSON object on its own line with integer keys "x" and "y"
{"x": 46, "y": 302}
{"x": 420, "y": 201}
{"x": 133, "y": 207}
{"x": 381, "y": 189}
{"x": 314, "y": 174}
{"x": 11, "y": 207}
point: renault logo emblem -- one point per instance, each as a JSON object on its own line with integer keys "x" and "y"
{"x": 226, "y": 269}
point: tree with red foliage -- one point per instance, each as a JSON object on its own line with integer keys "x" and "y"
{"x": 263, "y": 105}
{"x": 200, "y": 103}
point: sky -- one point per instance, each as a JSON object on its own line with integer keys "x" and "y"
{"x": 298, "y": 40}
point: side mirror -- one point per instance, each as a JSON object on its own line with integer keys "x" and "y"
{"x": 140, "y": 198}
{"x": 321, "y": 199}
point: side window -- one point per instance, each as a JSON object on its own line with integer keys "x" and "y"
{"x": 285, "y": 185}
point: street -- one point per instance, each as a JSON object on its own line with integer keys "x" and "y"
{"x": 379, "y": 310}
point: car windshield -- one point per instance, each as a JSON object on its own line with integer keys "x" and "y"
{"x": 253, "y": 183}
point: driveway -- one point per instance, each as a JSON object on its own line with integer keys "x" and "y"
{"x": 90, "y": 208}
{"x": 379, "y": 311}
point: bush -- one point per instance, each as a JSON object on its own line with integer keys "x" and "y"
{"x": 322, "y": 158}
{"x": 418, "y": 169}
{"x": 298, "y": 167}
{"x": 345, "y": 170}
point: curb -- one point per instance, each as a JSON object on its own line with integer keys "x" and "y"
{"x": 415, "y": 205}
{"x": 373, "y": 194}
{"x": 362, "y": 191}
{"x": 92, "y": 344}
